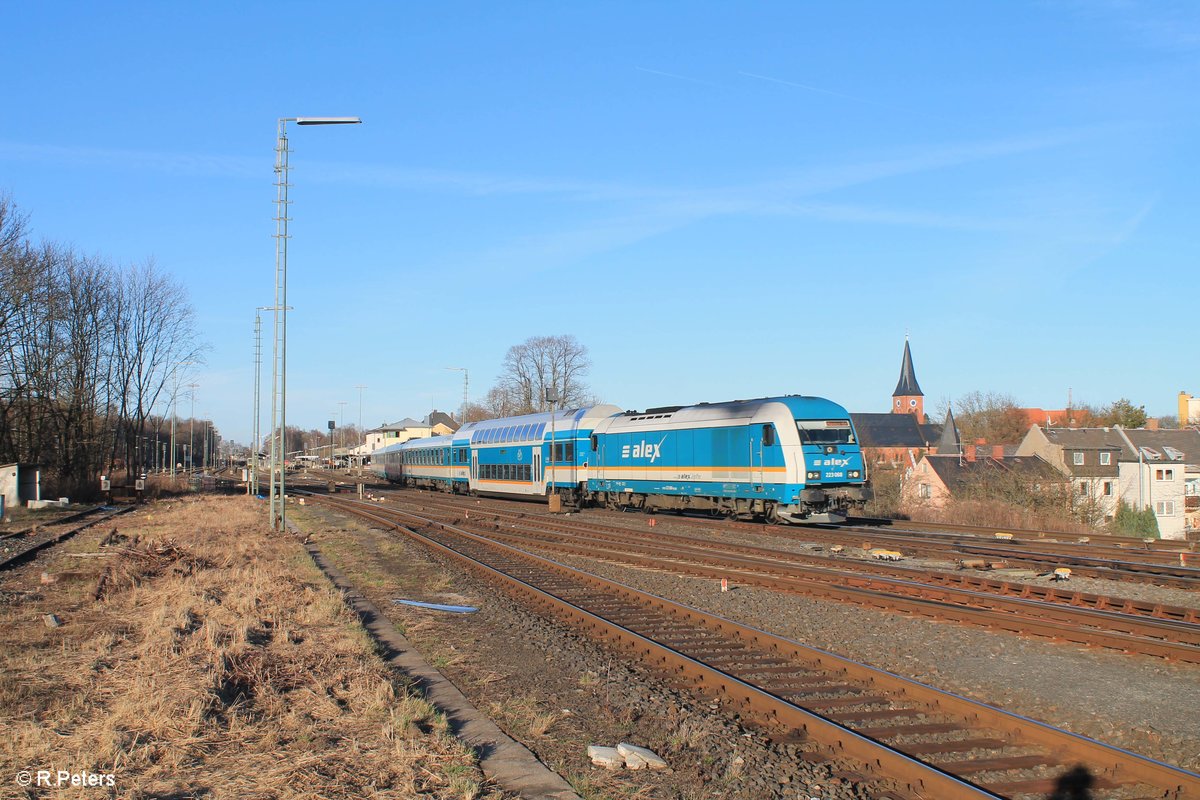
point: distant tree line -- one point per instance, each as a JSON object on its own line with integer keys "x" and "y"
{"x": 997, "y": 417}
{"x": 88, "y": 350}
{"x": 315, "y": 441}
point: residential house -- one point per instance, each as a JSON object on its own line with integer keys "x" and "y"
{"x": 937, "y": 479}
{"x": 1056, "y": 417}
{"x": 1088, "y": 456}
{"x": 1158, "y": 470}
{"x": 1144, "y": 468}
{"x": 440, "y": 423}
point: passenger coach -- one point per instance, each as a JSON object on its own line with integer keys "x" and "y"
{"x": 523, "y": 456}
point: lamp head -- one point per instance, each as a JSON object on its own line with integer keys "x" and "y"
{"x": 328, "y": 121}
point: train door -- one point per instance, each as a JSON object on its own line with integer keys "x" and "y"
{"x": 583, "y": 457}
{"x": 474, "y": 468}
{"x": 539, "y": 485}
{"x": 756, "y": 456}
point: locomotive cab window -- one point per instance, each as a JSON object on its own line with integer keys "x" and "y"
{"x": 768, "y": 435}
{"x": 825, "y": 432}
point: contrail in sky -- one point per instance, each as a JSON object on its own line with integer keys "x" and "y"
{"x": 804, "y": 86}
{"x": 839, "y": 94}
{"x": 676, "y": 77}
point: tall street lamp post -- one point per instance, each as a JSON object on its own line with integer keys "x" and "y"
{"x": 192, "y": 426}
{"x": 279, "y": 348}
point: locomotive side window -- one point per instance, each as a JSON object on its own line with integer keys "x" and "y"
{"x": 768, "y": 437}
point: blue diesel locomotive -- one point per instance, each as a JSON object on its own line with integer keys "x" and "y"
{"x": 779, "y": 459}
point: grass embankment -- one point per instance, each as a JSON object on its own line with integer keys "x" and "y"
{"x": 200, "y": 655}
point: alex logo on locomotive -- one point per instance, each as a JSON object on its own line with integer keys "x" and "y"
{"x": 643, "y": 449}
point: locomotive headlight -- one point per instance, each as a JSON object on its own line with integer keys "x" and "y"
{"x": 854, "y": 473}
{"x": 814, "y": 475}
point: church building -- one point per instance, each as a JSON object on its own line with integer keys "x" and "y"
{"x": 901, "y": 436}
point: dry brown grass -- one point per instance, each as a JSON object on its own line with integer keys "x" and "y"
{"x": 1003, "y": 516}
{"x": 216, "y": 662}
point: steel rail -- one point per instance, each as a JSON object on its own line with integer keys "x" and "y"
{"x": 1166, "y": 631}
{"x": 1113, "y": 766}
{"x": 1090, "y": 566}
{"x": 24, "y": 555}
{"x": 1161, "y": 638}
{"x": 867, "y": 524}
{"x": 935, "y": 545}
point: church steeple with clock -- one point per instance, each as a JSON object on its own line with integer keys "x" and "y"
{"x": 908, "y": 397}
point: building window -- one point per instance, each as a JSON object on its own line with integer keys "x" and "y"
{"x": 1105, "y": 459}
{"x": 1083, "y": 490}
{"x": 925, "y": 490}
{"x": 1108, "y": 489}
{"x": 1164, "y": 508}
{"x": 1164, "y": 474}
{"x": 1078, "y": 458}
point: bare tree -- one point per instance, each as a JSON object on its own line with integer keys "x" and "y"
{"x": 537, "y": 364}
{"x": 992, "y": 416}
{"x": 85, "y": 352}
{"x": 155, "y": 331}
{"x": 84, "y": 388}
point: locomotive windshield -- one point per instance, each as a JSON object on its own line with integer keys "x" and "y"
{"x": 825, "y": 431}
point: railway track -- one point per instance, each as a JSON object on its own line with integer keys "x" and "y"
{"x": 1166, "y": 631}
{"x": 1159, "y": 565}
{"x": 929, "y": 743}
{"x": 1120, "y": 564}
{"x": 867, "y": 524}
{"x": 20, "y": 546}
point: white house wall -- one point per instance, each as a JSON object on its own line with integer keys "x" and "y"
{"x": 1140, "y": 489}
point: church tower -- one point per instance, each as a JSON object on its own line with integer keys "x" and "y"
{"x": 908, "y": 397}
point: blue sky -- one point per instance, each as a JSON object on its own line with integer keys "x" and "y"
{"x": 720, "y": 200}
